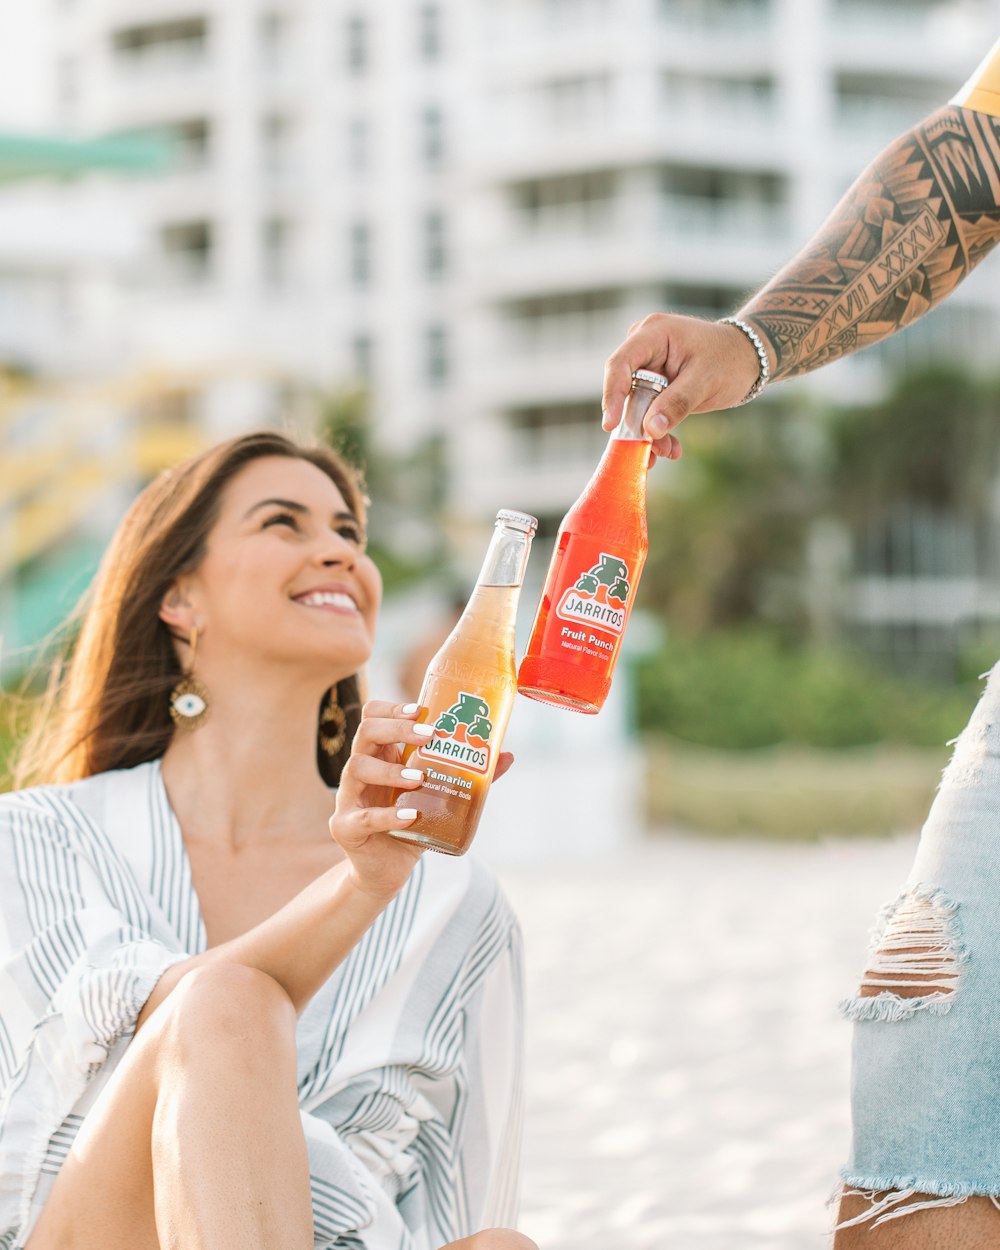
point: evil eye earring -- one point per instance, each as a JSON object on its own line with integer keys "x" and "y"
{"x": 189, "y": 698}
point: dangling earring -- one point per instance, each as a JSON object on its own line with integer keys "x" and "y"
{"x": 332, "y": 714}
{"x": 189, "y": 698}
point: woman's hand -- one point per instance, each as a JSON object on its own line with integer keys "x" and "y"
{"x": 363, "y": 816}
{"x": 709, "y": 366}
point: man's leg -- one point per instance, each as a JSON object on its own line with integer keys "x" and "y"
{"x": 972, "y": 1225}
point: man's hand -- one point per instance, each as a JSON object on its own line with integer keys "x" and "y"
{"x": 709, "y": 366}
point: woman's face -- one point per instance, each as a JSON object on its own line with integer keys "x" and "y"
{"x": 285, "y": 577}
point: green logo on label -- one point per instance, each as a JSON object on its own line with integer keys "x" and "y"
{"x": 607, "y": 582}
{"x": 599, "y": 595}
{"x": 462, "y": 734}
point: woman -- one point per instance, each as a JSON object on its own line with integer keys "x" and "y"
{"x": 219, "y": 1027}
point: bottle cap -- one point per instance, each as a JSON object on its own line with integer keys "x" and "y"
{"x": 517, "y": 520}
{"x": 656, "y": 380}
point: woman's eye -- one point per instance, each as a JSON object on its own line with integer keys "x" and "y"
{"x": 351, "y": 533}
{"x": 282, "y": 518}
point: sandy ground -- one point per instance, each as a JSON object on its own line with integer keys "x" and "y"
{"x": 687, "y": 1067}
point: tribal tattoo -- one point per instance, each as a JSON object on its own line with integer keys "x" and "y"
{"x": 904, "y": 236}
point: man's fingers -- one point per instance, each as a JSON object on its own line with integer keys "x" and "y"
{"x": 504, "y": 761}
{"x": 644, "y": 348}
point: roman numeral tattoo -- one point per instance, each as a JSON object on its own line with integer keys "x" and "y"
{"x": 912, "y": 226}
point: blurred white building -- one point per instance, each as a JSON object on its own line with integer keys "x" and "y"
{"x": 464, "y": 203}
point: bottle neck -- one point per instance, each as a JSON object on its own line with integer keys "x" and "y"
{"x": 636, "y": 405}
{"x": 506, "y": 558}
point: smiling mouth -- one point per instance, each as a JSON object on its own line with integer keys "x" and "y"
{"x": 330, "y": 600}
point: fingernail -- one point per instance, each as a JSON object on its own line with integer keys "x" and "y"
{"x": 424, "y": 731}
{"x": 410, "y": 708}
{"x": 412, "y": 774}
{"x": 605, "y": 418}
{"x": 658, "y": 426}
{"x": 406, "y": 813}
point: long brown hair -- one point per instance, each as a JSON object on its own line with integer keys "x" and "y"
{"x": 108, "y": 706}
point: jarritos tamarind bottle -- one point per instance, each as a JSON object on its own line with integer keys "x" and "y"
{"x": 468, "y": 693}
{"x": 591, "y": 583}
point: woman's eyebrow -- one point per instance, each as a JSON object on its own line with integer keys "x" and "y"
{"x": 293, "y": 506}
{"x": 290, "y": 504}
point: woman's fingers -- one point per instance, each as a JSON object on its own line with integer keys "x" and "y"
{"x": 504, "y": 761}
{"x": 354, "y": 828}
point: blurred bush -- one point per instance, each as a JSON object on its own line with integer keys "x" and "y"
{"x": 749, "y": 688}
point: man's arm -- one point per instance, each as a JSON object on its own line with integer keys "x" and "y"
{"x": 912, "y": 226}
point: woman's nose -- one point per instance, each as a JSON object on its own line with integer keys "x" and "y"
{"x": 337, "y": 550}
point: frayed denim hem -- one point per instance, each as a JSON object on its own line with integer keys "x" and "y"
{"x": 896, "y": 1194}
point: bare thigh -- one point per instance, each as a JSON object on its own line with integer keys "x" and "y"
{"x": 105, "y": 1195}
{"x": 972, "y": 1225}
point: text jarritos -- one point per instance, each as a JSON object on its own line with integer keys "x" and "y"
{"x": 462, "y": 735}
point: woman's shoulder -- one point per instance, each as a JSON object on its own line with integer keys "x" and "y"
{"x": 89, "y": 799}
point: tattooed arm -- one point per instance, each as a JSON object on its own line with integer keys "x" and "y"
{"x": 905, "y": 235}
{"x": 912, "y": 226}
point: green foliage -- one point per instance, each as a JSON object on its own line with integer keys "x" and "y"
{"x": 933, "y": 440}
{"x": 728, "y": 522}
{"x": 749, "y": 689}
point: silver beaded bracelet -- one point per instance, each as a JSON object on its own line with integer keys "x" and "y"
{"x": 765, "y": 369}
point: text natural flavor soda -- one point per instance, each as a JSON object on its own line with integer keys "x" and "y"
{"x": 592, "y": 579}
{"x": 469, "y": 692}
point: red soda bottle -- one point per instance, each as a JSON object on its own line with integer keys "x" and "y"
{"x": 591, "y": 583}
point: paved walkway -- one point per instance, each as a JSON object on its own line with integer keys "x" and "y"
{"x": 687, "y": 1066}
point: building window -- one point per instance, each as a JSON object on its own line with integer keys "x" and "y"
{"x": 177, "y": 44}
{"x": 359, "y": 141}
{"x": 436, "y": 355}
{"x": 429, "y": 32}
{"x": 187, "y": 248}
{"x": 432, "y": 136}
{"x": 68, "y": 85}
{"x": 191, "y": 142}
{"x": 275, "y": 29}
{"x": 360, "y": 247}
{"x": 362, "y": 357}
{"x": 276, "y": 246}
{"x": 358, "y": 50}
{"x": 276, "y": 139}
{"x": 435, "y": 249}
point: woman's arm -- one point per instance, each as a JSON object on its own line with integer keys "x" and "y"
{"x": 913, "y": 225}
{"x": 305, "y": 941}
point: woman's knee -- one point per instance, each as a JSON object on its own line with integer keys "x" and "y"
{"x": 228, "y": 1009}
{"x": 497, "y": 1239}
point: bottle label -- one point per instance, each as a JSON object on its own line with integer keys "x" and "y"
{"x": 598, "y": 591}
{"x": 462, "y": 735}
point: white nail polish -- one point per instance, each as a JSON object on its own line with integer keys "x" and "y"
{"x": 424, "y": 731}
{"x": 406, "y": 813}
{"x": 410, "y": 708}
{"x": 413, "y": 774}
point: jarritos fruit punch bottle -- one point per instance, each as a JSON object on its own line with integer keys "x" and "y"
{"x": 591, "y": 583}
{"x": 469, "y": 692}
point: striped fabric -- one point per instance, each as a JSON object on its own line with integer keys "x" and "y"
{"x": 409, "y": 1057}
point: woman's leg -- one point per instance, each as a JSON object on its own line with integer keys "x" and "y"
{"x": 493, "y": 1239}
{"x": 973, "y": 1225}
{"x": 197, "y": 1139}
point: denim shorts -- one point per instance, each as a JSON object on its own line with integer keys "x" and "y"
{"x": 926, "y": 1065}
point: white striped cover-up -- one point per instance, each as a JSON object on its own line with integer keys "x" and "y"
{"x": 410, "y": 1060}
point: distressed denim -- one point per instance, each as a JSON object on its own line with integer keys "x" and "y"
{"x": 926, "y": 1060}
